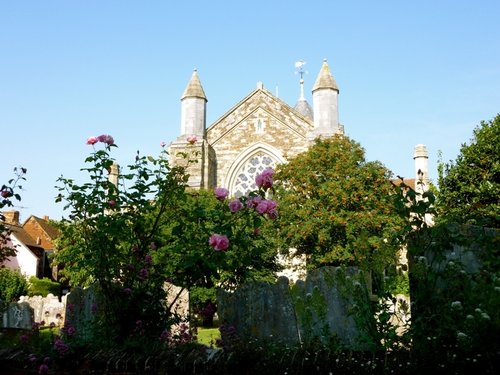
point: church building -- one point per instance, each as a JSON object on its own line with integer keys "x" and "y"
{"x": 258, "y": 132}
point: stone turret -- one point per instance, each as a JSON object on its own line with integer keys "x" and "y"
{"x": 325, "y": 104}
{"x": 421, "y": 157}
{"x": 193, "y": 108}
{"x": 191, "y": 145}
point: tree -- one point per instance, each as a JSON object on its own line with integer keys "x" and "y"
{"x": 469, "y": 187}
{"x": 338, "y": 208}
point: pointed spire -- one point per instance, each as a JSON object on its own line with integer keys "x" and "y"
{"x": 325, "y": 79}
{"x": 194, "y": 88}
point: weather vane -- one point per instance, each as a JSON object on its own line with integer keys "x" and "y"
{"x": 299, "y": 66}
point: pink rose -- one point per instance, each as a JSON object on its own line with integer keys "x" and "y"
{"x": 92, "y": 140}
{"x": 267, "y": 207}
{"x": 221, "y": 193}
{"x": 105, "y": 138}
{"x": 192, "y": 139}
{"x": 235, "y": 205}
{"x": 252, "y": 202}
{"x": 264, "y": 180}
{"x": 261, "y": 208}
{"x": 218, "y": 242}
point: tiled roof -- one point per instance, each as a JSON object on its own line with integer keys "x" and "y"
{"x": 51, "y": 231}
{"x": 26, "y": 239}
{"x": 410, "y": 182}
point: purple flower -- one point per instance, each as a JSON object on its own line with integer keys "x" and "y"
{"x": 235, "y": 205}
{"x": 112, "y": 203}
{"x": 148, "y": 259}
{"x": 143, "y": 274}
{"x": 218, "y": 242}
{"x": 61, "y": 347}
{"x": 252, "y": 202}
{"x": 264, "y": 180}
{"x": 43, "y": 369}
{"x": 221, "y": 193}
{"x": 105, "y": 138}
{"x": 127, "y": 291}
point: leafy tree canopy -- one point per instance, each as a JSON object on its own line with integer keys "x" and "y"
{"x": 338, "y": 208}
{"x": 469, "y": 187}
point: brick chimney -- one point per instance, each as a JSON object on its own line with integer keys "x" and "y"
{"x": 11, "y": 217}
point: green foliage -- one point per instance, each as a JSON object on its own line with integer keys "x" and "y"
{"x": 454, "y": 283}
{"x": 338, "y": 208}
{"x": 8, "y": 194}
{"x": 12, "y": 285}
{"x": 42, "y": 287}
{"x": 469, "y": 187}
{"x": 128, "y": 239}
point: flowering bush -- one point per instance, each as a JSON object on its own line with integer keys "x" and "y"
{"x": 128, "y": 238}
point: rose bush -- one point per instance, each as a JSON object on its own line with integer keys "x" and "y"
{"x": 128, "y": 238}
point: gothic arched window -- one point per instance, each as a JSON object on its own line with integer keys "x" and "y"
{"x": 245, "y": 176}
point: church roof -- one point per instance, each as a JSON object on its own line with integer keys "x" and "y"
{"x": 304, "y": 108}
{"x": 325, "y": 79}
{"x": 194, "y": 89}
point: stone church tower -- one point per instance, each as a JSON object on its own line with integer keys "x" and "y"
{"x": 259, "y": 131}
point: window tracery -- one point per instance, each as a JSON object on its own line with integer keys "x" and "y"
{"x": 245, "y": 179}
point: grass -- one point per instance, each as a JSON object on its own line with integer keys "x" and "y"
{"x": 208, "y": 336}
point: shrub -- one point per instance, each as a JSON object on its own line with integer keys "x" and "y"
{"x": 12, "y": 285}
{"x": 42, "y": 287}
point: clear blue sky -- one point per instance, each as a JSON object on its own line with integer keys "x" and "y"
{"x": 409, "y": 72}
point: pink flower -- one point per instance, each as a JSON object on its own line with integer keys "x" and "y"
{"x": 264, "y": 180}
{"x": 105, "y": 138}
{"x": 43, "y": 369}
{"x": 192, "y": 139}
{"x": 221, "y": 193}
{"x": 252, "y": 202}
{"x": 267, "y": 207}
{"x": 92, "y": 140}
{"x": 219, "y": 242}
{"x": 162, "y": 144}
{"x": 235, "y": 205}
{"x": 112, "y": 203}
{"x": 143, "y": 274}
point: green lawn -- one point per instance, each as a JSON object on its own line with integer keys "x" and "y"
{"x": 208, "y": 336}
